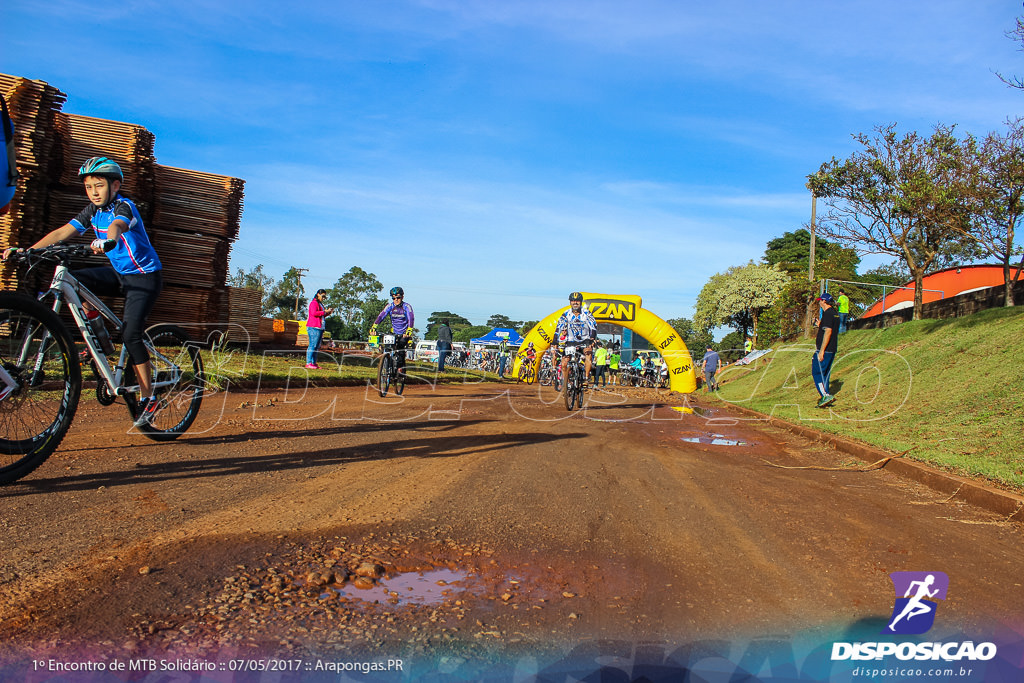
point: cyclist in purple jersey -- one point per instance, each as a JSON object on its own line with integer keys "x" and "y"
{"x": 402, "y": 322}
{"x": 135, "y": 271}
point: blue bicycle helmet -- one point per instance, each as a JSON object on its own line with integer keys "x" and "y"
{"x": 398, "y": 291}
{"x": 101, "y": 166}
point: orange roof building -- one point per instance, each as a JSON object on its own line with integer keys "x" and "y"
{"x": 941, "y": 285}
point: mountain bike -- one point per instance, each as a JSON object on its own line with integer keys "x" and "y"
{"x": 546, "y": 375}
{"x": 41, "y": 374}
{"x": 575, "y": 377}
{"x": 527, "y": 373}
{"x": 388, "y": 373}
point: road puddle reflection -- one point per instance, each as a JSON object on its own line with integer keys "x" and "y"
{"x": 714, "y": 440}
{"x": 422, "y": 588}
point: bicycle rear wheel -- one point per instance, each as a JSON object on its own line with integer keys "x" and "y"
{"x": 384, "y": 370}
{"x": 37, "y": 353}
{"x": 175, "y": 359}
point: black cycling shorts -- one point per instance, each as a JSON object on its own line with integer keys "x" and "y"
{"x": 140, "y": 291}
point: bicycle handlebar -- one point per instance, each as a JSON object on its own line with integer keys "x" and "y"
{"x": 56, "y": 253}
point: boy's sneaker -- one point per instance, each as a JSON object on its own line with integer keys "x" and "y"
{"x": 147, "y": 412}
{"x": 826, "y": 400}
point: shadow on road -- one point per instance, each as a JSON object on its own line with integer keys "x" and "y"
{"x": 426, "y": 447}
{"x": 341, "y": 428}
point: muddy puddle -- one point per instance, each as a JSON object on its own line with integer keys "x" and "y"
{"x": 714, "y": 440}
{"x": 419, "y": 588}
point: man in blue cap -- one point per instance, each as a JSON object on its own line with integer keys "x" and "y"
{"x": 825, "y": 348}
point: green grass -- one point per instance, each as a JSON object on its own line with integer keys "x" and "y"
{"x": 951, "y": 390}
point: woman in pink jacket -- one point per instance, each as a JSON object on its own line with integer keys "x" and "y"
{"x": 315, "y": 326}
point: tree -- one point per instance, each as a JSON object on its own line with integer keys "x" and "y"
{"x": 738, "y": 296}
{"x": 525, "y": 328}
{"x": 792, "y": 252}
{"x": 1016, "y": 35}
{"x": 998, "y": 176}
{"x": 455, "y": 322}
{"x": 286, "y": 295}
{"x": 368, "y": 312}
{"x": 786, "y": 318}
{"x": 696, "y": 339}
{"x": 468, "y": 333}
{"x": 499, "y": 320}
{"x": 894, "y": 274}
{"x": 796, "y": 307}
{"x": 258, "y": 280}
{"x": 731, "y": 348}
{"x": 902, "y": 196}
{"x": 350, "y": 292}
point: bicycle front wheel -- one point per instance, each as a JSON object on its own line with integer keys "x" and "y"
{"x": 178, "y": 378}
{"x": 400, "y": 381}
{"x": 384, "y": 370}
{"x": 36, "y": 353}
{"x": 570, "y": 389}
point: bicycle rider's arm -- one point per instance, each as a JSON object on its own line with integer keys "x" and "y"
{"x": 380, "y": 316}
{"x": 66, "y": 231}
{"x": 116, "y": 228}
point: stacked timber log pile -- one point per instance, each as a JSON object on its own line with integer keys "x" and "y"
{"x": 244, "y": 316}
{"x": 191, "y": 217}
{"x": 196, "y": 217}
{"x": 83, "y": 137}
{"x": 285, "y": 333}
{"x": 33, "y": 106}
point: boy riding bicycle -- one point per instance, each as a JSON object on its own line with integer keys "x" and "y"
{"x": 135, "y": 270}
{"x": 402, "y": 320}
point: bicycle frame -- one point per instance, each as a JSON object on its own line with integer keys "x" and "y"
{"x": 65, "y": 288}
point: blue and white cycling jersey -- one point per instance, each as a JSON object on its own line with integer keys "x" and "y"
{"x": 402, "y": 317}
{"x": 133, "y": 254}
{"x": 578, "y": 327}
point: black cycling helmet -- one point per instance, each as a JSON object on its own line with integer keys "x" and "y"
{"x": 101, "y": 166}
{"x": 576, "y": 296}
{"x": 398, "y": 291}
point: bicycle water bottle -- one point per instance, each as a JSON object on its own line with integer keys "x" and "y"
{"x": 100, "y": 330}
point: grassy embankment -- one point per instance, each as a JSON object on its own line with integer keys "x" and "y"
{"x": 951, "y": 390}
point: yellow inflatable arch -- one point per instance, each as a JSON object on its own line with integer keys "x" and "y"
{"x": 625, "y": 310}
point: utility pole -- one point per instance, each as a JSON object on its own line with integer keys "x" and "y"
{"x": 811, "y": 305}
{"x": 810, "y": 270}
{"x": 298, "y": 290}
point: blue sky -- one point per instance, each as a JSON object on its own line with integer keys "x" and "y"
{"x": 492, "y": 156}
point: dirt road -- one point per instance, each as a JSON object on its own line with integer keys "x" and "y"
{"x": 464, "y": 530}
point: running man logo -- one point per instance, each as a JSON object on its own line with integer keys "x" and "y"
{"x": 914, "y": 613}
{"x": 612, "y": 310}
